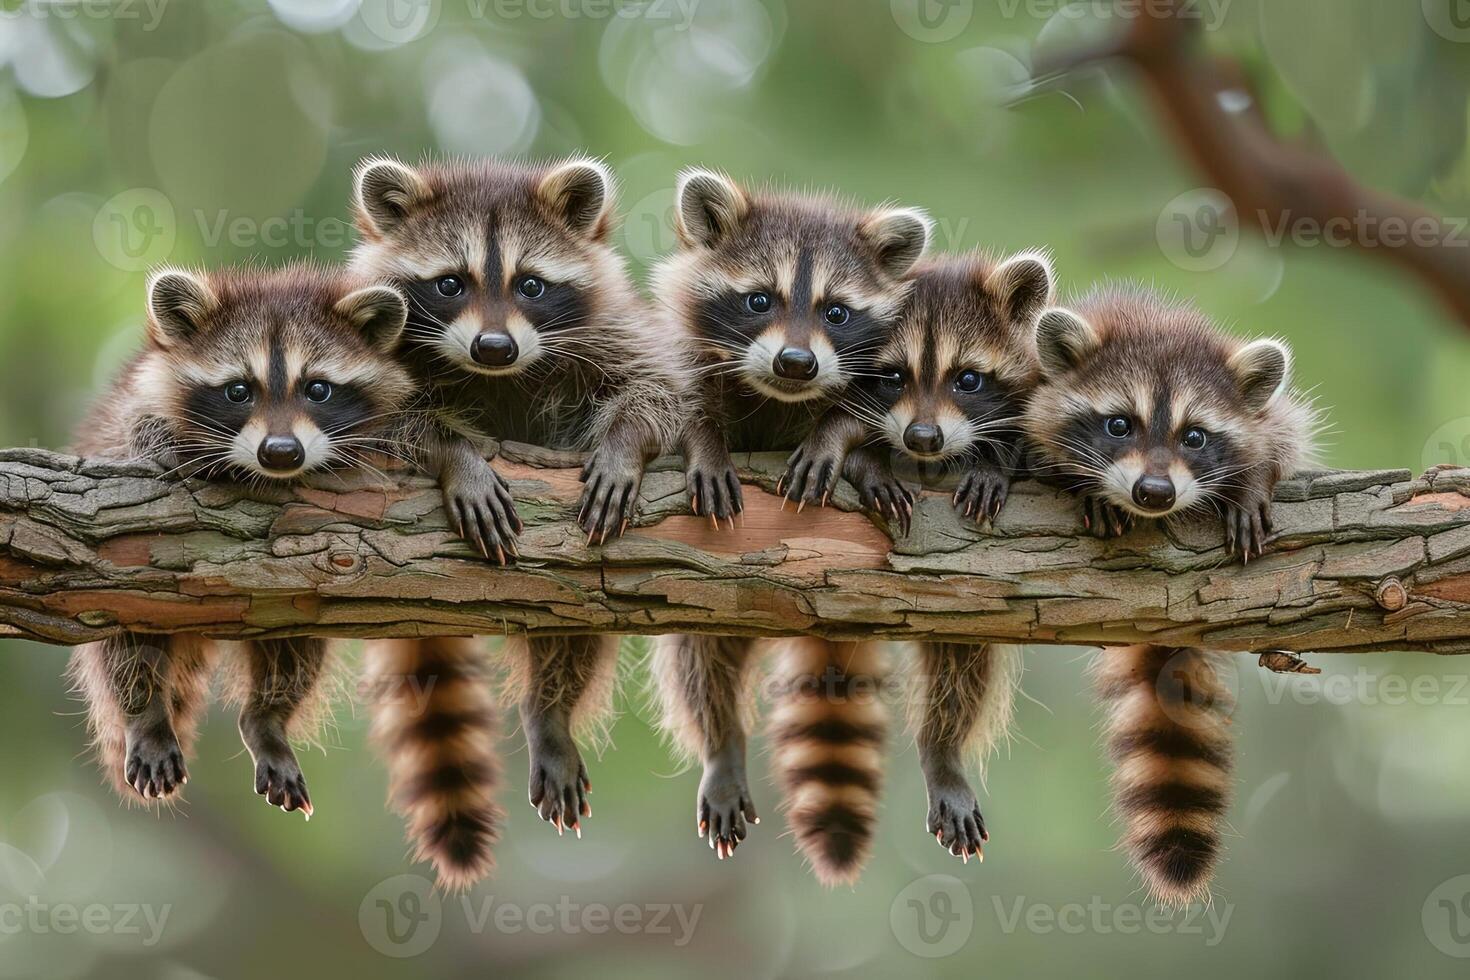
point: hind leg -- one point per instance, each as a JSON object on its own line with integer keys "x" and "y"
{"x": 704, "y": 684}
{"x": 145, "y": 694}
{"x": 964, "y": 705}
{"x": 283, "y": 677}
{"x": 563, "y": 683}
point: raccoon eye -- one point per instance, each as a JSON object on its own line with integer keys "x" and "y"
{"x": 758, "y": 302}
{"x": 968, "y": 381}
{"x": 1195, "y": 439}
{"x": 450, "y": 286}
{"x": 892, "y": 377}
{"x": 1118, "y": 427}
{"x": 531, "y": 287}
{"x": 318, "y": 391}
{"x": 239, "y": 392}
{"x": 837, "y": 314}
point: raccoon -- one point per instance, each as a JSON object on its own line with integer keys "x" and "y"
{"x": 524, "y": 326}
{"x": 252, "y": 376}
{"x": 1148, "y": 411}
{"x": 946, "y": 399}
{"x": 783, "y": 298}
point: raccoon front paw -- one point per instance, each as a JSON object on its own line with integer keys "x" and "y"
{"x": 725, "y": 807}
{"x": 955, "y": 820}
{"x": 278, "y": 778}
{"x": 1247, "y": 526}
{"x": 155, "y": 764}
{"x": 1105, "y": 520}
{"x": 714, "y": 490}
{"x": 483, "y": 512}
{"x": 559, "y": 785}
{"x": 810, "y": 477}
{"x": 610, "y": 495}
{"x": 982, "y": 493}
{"x": 885, "y": 496}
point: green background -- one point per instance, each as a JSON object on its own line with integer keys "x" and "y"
{"x": 211, "y": 133}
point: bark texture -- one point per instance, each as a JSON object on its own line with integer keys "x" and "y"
{"x": 1361, "y": 561}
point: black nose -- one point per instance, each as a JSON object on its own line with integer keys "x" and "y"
{"x": 796, "y": 363}
{"x": 922, "y": 437}
{"x": 283, "y": 453}
{"x": 1154, "y": 492}
{"x": 494, "y": 349}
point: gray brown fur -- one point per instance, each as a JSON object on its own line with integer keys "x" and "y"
{"x": 275, "y": 334}
{"x": 805, "y": 255}
{"x": 579, "y": 366}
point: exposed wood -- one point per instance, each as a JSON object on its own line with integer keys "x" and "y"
{"x": 1362, "y": 561}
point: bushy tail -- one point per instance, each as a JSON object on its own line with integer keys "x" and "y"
{"x": 1168, "y": 732}
{"x": 436, "y": 726}
{"x": 828, "y": 727}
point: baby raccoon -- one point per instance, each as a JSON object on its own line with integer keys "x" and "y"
{"x": 947, "y": 399}
{"x": 1149, "y": 411}
{"x": 523, "y": 326}
{"x": 784, "y": 299}
{"x": 250, "y": 376}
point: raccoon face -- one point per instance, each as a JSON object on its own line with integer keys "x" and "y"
{"x": 273, "y": 374}
{"x": 953, "y": 375}
{"x": 1156, "y": 418}
{"x": 501, "y": 264}
{"x": 793, "y": 294}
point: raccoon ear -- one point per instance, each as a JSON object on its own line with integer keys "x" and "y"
{"x": 179, "y": 301}
{"x": 900, "y": 236}
{"x": 1023, "y": 286}
{"x": 711, "y": 206}
{"x": 1063, "y": 340}
{"x": 386, "y": 191}
{"x": 1263, "y": 370}
{"x": 580, "y": 193}
{"x": 378, "y": 312}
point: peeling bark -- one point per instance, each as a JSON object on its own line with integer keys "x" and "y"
{"x": 1362, "y": 561}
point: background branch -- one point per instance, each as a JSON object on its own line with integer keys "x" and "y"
{"x": 1363, "y": 561}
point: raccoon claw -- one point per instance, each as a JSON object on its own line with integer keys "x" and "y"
{"x": 559, "y": 787}
{"x": 1105, "y": 520}
{"x": 714, "y": 492}
{"x": 278, "y": 778}
{"x": 484, "y": 513}
{"x": 982, "y": 493}
{"x": 155, "y": 765}
{"x": 1247, "y": 528}
{"x": 725, "y": 808}
{"x": 889, "y": 499}
{"x": 610, "y": 496}
{"x": 810, "y": 478}
{"x": 955, "y": 820}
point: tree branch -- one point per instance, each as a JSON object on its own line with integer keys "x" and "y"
{"x": 1271, "y": 184}
{"x": 1363, "y": 561}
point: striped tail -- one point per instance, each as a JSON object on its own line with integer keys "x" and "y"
{"x": 436, "y": 727}
{"x": 828, "y": 726}
{"x": 1169, "y": 736}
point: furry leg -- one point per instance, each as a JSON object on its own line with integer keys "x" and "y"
{"x": 284, "y": 677}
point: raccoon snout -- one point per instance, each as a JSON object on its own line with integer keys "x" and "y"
{"x": 284, "y": 454}
{"x": 1154, "y": 493}
{"x": 494, "y": 349}
{"x": 921, "y": 437}
{"x": 795, "y": 364}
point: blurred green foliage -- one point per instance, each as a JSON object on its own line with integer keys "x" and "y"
{"x": 134, "y": 132}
